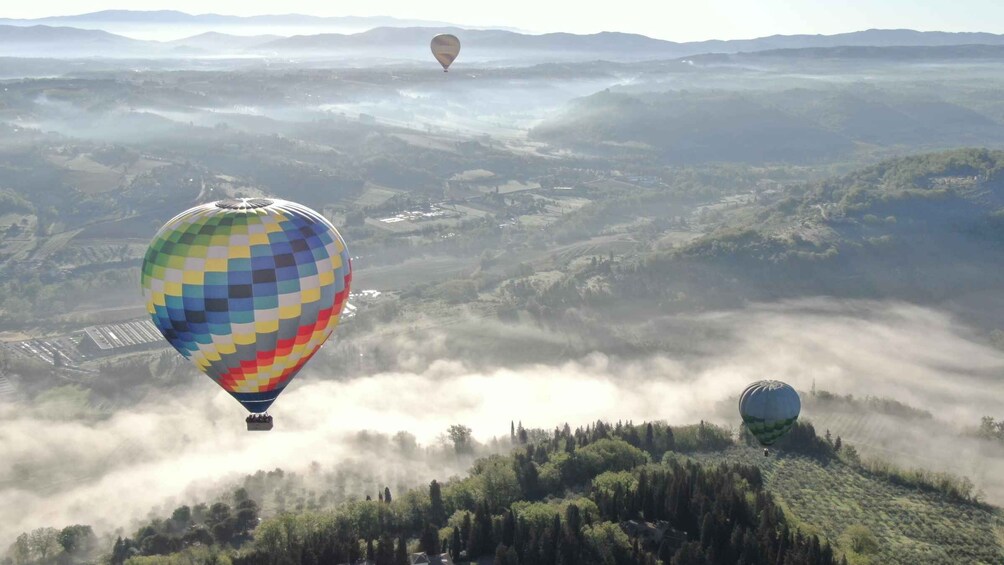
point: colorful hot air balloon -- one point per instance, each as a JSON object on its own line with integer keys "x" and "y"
{"x": 445, "y": 48}
{"x": 248, "y": 290}
{"x": 769, "y": 409}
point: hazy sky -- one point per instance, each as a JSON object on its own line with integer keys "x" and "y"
{"x": 668, "y": 19}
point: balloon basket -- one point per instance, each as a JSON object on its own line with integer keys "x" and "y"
{"x": 260, "y": 426}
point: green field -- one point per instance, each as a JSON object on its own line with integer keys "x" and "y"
{"x": 374, "y": 195}
{"x": 911, "y": 527}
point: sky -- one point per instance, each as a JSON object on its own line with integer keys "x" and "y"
{"x": 666, "y": 19}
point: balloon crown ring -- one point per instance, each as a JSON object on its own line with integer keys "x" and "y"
{"x": 243, "y": 203}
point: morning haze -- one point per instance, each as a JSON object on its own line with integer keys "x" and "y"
{"x": 570, "y": 255}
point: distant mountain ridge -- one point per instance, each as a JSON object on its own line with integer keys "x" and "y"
{"x": 177, "y": 17}
{"x": 402, "y": 41}
{"x": 850, "y": 52}
{"x": 66, "y": 41}
{"x": 865, "y": 38}
{"x": 215, "y": 41}
{"x": 410, "y": 42}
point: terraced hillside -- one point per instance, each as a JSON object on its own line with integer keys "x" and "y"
{"x": 910, "y": 526}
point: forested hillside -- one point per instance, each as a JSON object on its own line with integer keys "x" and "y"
{"x": 796, "y": 125}
{"x": 603, "y": 494}
{"x": 918, "y": 228}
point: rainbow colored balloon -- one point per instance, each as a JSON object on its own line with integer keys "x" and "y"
{"x": 248, "y": 290}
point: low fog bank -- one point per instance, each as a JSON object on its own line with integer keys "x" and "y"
{"x": 923, "y": 358}
{"x": 181, "y": 448}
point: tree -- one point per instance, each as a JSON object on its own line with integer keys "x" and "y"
{"x": 509, "y": 528}
{"x": 437, "y": 511}
{"x": 850, "y": 454}
{"x": 197, "y": 535}
{"x": 573, "y": 519}
{"x": 221, "y": 523}
{"x": 246, "y": 518}
{"x": 480, "y": 541}
{"x": 501, "y": 554}
{"x": 385, "y": 550}
{"x": 528, "y": 476}
{"x": 158, "y": 544}
{"x": 386, "y": 495}
{"x": 21, "y": 550}
{"x": 460, "y": 435}
{"x": 861, "y": 539}
{"x": 122, "y": 550}
{"x": 44, "y": 543}
{"x": 77, "y": 540}
{"x": 181, "y": 518}
{"x": 603, "y": 543}
{"x": 837, "y": 444}
{"x": 455, "y": 545}
{"x": 498, "y": 480}
{"x": 401, "y": 554}
{"x": 429, "y": 540}
{"x": 405, "y": 441}
{"x": 465, "y": 529}
{"x": 218, "y": 512}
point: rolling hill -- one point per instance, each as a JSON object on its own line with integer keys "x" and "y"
{"x": 792, "y": 126}
{"x": 925, "y": 228}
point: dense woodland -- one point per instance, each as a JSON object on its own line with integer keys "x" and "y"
{"x": 559, "y": 497}
{"x": 603, "y": 494}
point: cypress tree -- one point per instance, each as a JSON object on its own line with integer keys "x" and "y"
{"x": 401, "y": 555}
{"x": 429, "y": 542}
{"x": 509, "y": 529}
{"x": 437, "y": 511}
{"x": 455, "y": 546}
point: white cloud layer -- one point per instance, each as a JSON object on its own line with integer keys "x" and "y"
{"x": 172, "y": 450}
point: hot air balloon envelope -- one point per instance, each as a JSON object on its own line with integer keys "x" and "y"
{"x": 445, "y": 48}
{"x": 248, "y": 290}
{"x": 769, "y": 409}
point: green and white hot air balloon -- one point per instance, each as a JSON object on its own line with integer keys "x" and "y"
{"x": 769, "y": 409}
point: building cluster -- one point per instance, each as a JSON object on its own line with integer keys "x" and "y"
{"x": 117, "y": 338}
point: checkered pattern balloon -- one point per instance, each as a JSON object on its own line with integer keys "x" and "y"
{"x": 248, "y": 290}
